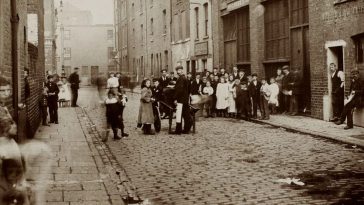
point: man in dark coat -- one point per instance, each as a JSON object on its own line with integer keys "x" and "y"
{"x": 53, "y": 91}
{"x": 337, "y": 91}
{"x": 242, "y": 77}
{"x": 182, "y": 97}
{"x": 254, "y": 94}
{"x": 287, "y": 88}
{"x": 74, "y": 79}
{"x": 353, "y": 101}
{"x": 235, "y": 73}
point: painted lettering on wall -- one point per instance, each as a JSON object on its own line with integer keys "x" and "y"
{"x": 343, "y": 13}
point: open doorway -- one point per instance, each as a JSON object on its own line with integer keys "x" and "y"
{"x": 335, "y": 55}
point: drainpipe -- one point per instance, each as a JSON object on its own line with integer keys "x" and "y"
{"x": 14, "y": 56}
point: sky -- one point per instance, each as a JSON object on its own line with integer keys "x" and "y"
{"x": 102, "y": 10}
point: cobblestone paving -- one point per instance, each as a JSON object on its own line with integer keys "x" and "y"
{"x": 234, "y": 162}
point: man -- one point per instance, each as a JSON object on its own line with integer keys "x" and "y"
{"x": 287, "y": 88}
{"x": 254, "y": 93}
{"x": 5, "y": 93}
{"x": 163, "y": 80}
{"x": 222, "y": 71}
{"x": 353, "y": 100}
{"x": 242, "y": 76}
{"x": 157, "y": 91}
{"x": 337, "y": 86}
{"x": 182, "y": 99}
{"x": 74, "y": 79}
{"x": 196, "y": 85}
{"x": 53, "y": 91}
{"x": 172, "y": 77}
{"x": 235, "y": 73}
{"x": 113, "y": 83}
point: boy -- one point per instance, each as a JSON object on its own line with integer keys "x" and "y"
{"x": 123, "y": 100}
{"x": 53, "y": 91}
{"x": 264, "y": 98}
{"x": 242, "y": 100}
{"x": 157, "y": 91}
{"x": 207, "y": 92}
{"x": 43, "y": 106}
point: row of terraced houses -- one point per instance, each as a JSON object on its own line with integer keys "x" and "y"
{"x": 257, "y": 36}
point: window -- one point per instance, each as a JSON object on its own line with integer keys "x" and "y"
{"x": 110, "y": 53}
{"x": 243, "y": 25}
{"x": 132, "y": 10}
{"x": 151, "y": 26}
{"x": 141, "y": 5}
{"x": 299, "y": 12}
{"x": 183, "y": 25}
{"x": 204, "y": 64}
{"x": 166, "y": 60}
{"x": 229, "y": 27}
{"x": 176, "y": 28}
{"x": 151, "y": 3}
{"x": 276, "y": 30}
{"x": 67, "y": 34}
{"x": 164, "y": 21}
{"x": 110, "y": 34}
{"x": 197, "y": 22}
{"x": 359, "y": 47}
{"x": 67, "y": 53}
{"x": 152, "y": 64}
{"x": 206, "y": 9}
{"x": 133, "y": 38}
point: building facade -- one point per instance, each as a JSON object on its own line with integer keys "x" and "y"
{"x": 143, "y": 37}
{"x": 336, "y": 36}
{"x": 84, "y": 45}
{"x": 50, "y": 27}
{"x": 22, "y": 48}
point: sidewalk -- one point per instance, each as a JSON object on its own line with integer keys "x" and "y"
{"x": 78, "y": 173}
{"x": 318, "y": 127}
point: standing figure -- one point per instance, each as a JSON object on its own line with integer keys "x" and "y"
{"x": 164, "y": 80}
{"x": 207, "y": 92}
{"x": 182, "y": 100}
{"x": 337, "y": 86}
{"x": 113, "y": 83}
{"x": 43, "y": 106}
{"x": 235, "y": 73}
{"x": 287, "y": 88}
{"x": 279, "y": 81}
{"x": 9, "y": 128}
{"x": 64, "y": 92}
{"x": 264, "y": 99}
{"x": 113, "y": 112}
{"x": 222, "y": 96}
{"x": 274, "y": 93}
{"x": 232, "y": 103}
{"x": 146, "y": 115}
{"x": 123, "y": 99}
{"x": 53, "y": 92}
{"x": 74, "y": 79}
{"x": 254, "y": 94}
{"x": 242, "y": 100}
{"x": 352, "y": 101}
{"x": 157, "y": 91}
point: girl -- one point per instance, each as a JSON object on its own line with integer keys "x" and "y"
{"x": 222, "y": 96}
{"x": 65, "y": 93}
{"x": 274, "y": 93}
{"x": 146, "y": 115}
{"x": 232, "y": 103}
{"x": 113, "y": 112}
{"x": 207, "y": 93}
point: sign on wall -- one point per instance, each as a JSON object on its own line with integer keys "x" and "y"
{"x": 237, "y": 4}
{"x": 201, "y": 48}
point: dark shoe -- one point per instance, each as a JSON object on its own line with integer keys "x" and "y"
{"x": 293, "y": 114}
{"x": 186, "y": 132}
{"x": 117, "y": 138}
{"x": 334, "y": 119}
{"x": 348, "y": 128}
{"x": 176, "y": 133}
{"x": 124, "y": 135}
{"x": 56, "y": 123}
{"x": 338, "y": 122}
{"x": 266, "y": 118}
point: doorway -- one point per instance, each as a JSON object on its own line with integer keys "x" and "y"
{"x": 335, "y": 54}
{"x": 94, "y": 74}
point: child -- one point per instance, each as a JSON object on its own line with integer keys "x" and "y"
{"x": 123, "y": 99}
{"x": 157, "y": 96}
{"x": 274, "y": 93}
{"x": 207, "y": 93}
{"x": 222, "y": 96}
{"x": 146, "y": 115}
{"x": 232, "y": 103}
{"x": 264, "y": 98}
{"x": 43, "y": 106}
{"x": 242, "y": 100}
{"x": 113, "y": 112}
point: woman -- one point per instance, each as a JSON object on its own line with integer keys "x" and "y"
{"x": 232, "y": 103}
{"x": 65, "y": 93}
{"x": 222, "y": 96}
{"x": 146, "y": 116}
{"x": 279, "y": 80}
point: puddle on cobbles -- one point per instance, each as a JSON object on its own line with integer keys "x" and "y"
{"x": 337, "y": 187}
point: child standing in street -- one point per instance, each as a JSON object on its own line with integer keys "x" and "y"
{"x": 222, "y": 96}
{"x": 113, "y": 112}
{"x": 242, "y": 100}
{"x": 43, "y": 106}
{"x": 207, "y": 93}
{"x": 264, "y": 99}
{"x": 274, "y": 95}
{"x": 123, "y": 99}
{"x": 53, "y": 92}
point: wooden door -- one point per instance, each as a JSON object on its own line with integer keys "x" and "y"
{"x": 230, "y": 54}
{"x": 94, "y": 74}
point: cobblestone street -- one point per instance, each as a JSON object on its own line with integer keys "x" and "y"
{"x": 233, "y": 162}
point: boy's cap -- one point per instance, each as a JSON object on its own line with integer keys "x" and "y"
{"x": 179, "y": 68}
{"x": 254, "y": 75}
{"x": 286, "y": 67}
{"x": 155, "y": 80}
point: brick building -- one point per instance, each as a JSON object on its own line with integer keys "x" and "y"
{"x": 143, "y": 37}
{"x": 82, "y": 44}
{"x": 16, "y": 32}
{"x": 336, "y": 35}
